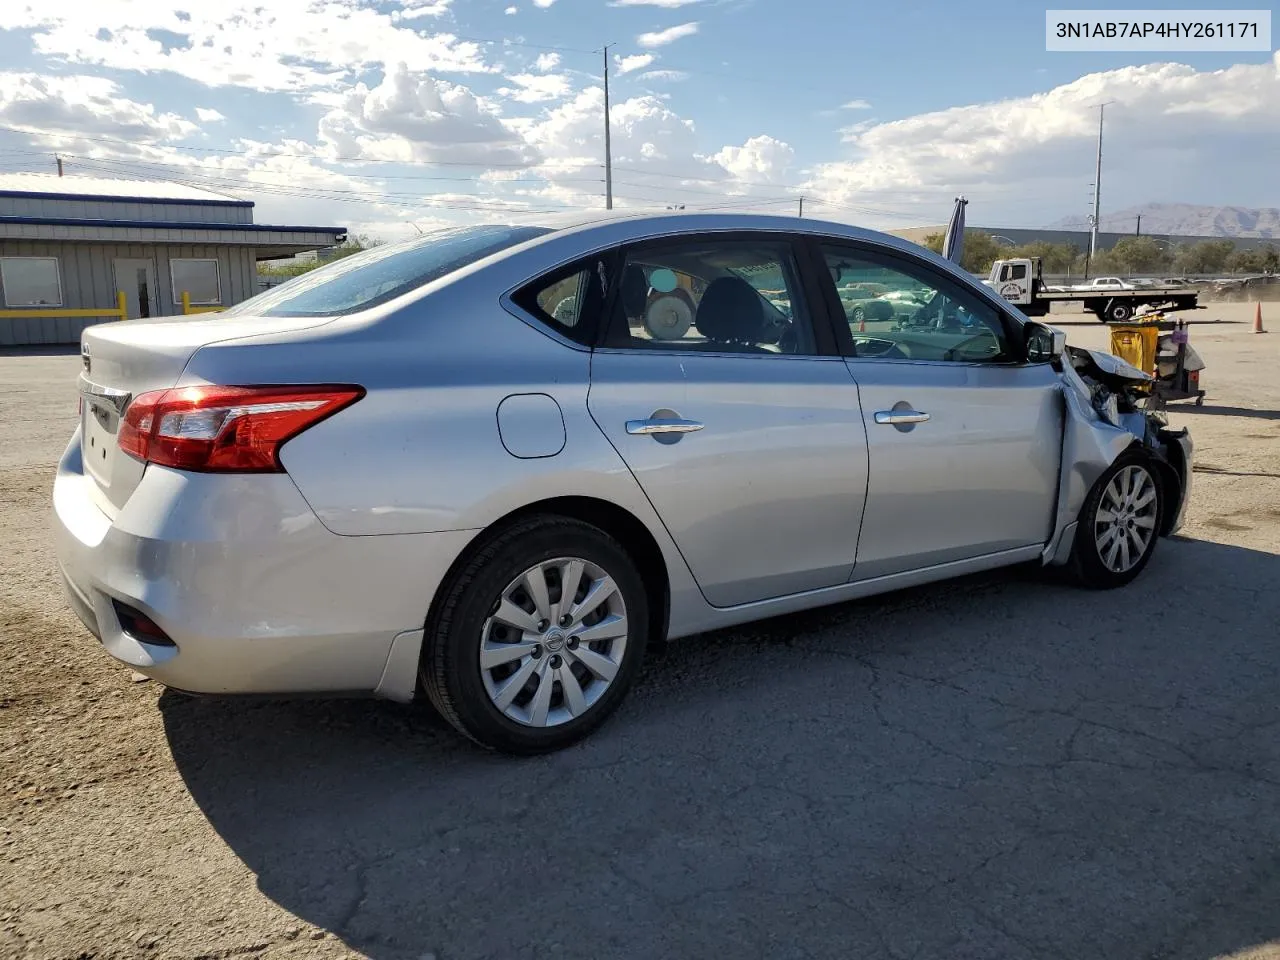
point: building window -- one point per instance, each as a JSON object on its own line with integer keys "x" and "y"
{"x": 30, "y": 281}
{"x": 197, "y": 278}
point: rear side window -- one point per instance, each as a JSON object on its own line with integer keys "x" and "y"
{"x": 366, "y": 279}
{"x": 568, "y": 300}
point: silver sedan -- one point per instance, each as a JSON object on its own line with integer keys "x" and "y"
{"x": 492, "y": 464}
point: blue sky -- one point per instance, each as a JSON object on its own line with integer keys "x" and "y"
{"x": 393, "y": 117}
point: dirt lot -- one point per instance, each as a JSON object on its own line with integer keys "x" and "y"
{"x": 996, "y": 767}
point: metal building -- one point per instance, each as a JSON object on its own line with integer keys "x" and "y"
{"x": 75, "y": 251}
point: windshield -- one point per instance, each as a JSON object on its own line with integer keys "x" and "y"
{"x": 371, "y": 277}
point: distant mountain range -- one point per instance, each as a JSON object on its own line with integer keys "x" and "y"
{"x": 1187, "y": 219}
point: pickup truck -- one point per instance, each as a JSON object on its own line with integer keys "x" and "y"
{"x": 1109, "y": 298}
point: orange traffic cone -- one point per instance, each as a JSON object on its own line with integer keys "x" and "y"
{"x": 862, "y": 325}
{"x": 1257, "y": 319}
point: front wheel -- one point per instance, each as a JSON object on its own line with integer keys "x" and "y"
{"x": 537, "y": 637}
{"x": 1119, "y": 523}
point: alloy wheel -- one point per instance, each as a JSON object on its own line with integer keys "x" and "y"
{"x": 1125, "y": 521}
{"x": 553, "y": 642}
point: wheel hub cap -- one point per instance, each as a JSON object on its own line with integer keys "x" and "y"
{"x": 1125, "y": 521}
{"x": 554, "y": 642}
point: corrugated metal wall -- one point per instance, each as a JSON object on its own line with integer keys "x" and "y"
{"x": 141, "y": 210}
{"x": 88, "y": 281}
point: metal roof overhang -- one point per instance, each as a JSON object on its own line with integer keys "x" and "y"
{"x": 270, "y": 240}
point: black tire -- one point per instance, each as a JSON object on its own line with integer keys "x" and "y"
{"x": 1087, "y": 564}
{"x": 450, "y": 662}
{"x": 1119, "y": 312}
{"x": 858, "y": 315}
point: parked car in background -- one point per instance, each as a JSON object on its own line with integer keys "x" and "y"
{"x": 492, "y": 464}
{"x": 1106, "y": 283}
{"x": 865, "y": 302}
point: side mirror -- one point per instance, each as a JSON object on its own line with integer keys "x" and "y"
{"x": 1043, "y": 344}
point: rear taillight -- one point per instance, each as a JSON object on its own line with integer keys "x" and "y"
{"x": 225, "y": 429}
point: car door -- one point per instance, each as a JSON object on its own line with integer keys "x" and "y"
{"x": 964, "y": 438}
{"x": 735, "y": 413}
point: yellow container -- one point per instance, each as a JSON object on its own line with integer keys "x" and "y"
{"x": 1136, "y": 345}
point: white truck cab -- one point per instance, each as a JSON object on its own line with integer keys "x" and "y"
{"x": 1015, "y": 280}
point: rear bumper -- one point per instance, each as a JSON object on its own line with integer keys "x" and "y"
{"x": 257, "y": 596}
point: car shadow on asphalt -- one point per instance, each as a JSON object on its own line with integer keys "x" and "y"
{"x": 997, "y": 766}
{"x": 1214, "y": 410}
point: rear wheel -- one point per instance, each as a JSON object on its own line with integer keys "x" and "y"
{"x": 1119, "y": 312}
{"x": 1119, "y": 523}
{"x": 538, "y": 637}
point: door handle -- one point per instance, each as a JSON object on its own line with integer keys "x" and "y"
{"x": 654, "y": 426}
{"x": 894, "y": 417}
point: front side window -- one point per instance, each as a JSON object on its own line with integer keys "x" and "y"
{"x": 364, "y": 280}
{"x": 30, "y": 282}
{"x": 898, "y": 312}
{"x": 198, "y": 279}
{"x": 713, "y": 296}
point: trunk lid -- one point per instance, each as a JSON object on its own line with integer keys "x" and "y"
{"x": 119, "y": 361}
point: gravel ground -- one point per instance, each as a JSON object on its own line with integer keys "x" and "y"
{"x": 1001, "y": 766}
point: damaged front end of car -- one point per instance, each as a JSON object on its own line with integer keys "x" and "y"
{"x": 1107, "y": 413}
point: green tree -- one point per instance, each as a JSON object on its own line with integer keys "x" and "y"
{"x": 1207, "y": 256}
{"x": 1055, "y": 257}
{"x": 1139, "y": 254}
{"x": 933, "y": 242}
{"x": 1265, "y": 259}
{"x": 1101, "y": 263}
{"x": 980, "y": 250}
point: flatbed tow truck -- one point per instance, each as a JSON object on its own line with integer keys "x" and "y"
{"x": 1021, "y": 282}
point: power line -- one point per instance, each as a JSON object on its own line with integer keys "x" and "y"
{"x": 277, "y": 153}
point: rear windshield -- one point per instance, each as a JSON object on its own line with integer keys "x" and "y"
{"x": 371, "y": 277}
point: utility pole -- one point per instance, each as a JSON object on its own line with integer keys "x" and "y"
{"x": 1097, "y": 186}
{"x": 608, "y": 152}
{"x": 1137, "y": 231}
{"x": 58, "y": 160}
{"x": 801, "y": 206}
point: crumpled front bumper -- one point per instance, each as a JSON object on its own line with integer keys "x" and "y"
{"x": 1090, "y": 444}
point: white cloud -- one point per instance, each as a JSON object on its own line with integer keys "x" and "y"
{"x": 858, "y": 104}
{"x": 511, "y": 11}
{"x": 412, "y": 116}
{"x": 265, "y": 45}
{"x": 536, "y": 87}
{"x": 543, "y": 3}
{"x": 437, "y": 8}
{"x": 1173, "y": 132}
{"x": 208, "y": 115}
{"x": 546, "y": 62}
{"x": 761, "y": 158}
{"x": 71, "y": 107}
{"x": 637, "y": 61}
{"x": 672, "y": 75}
{"x": 660, "y": 38}
{"x": 570, "y": 136}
